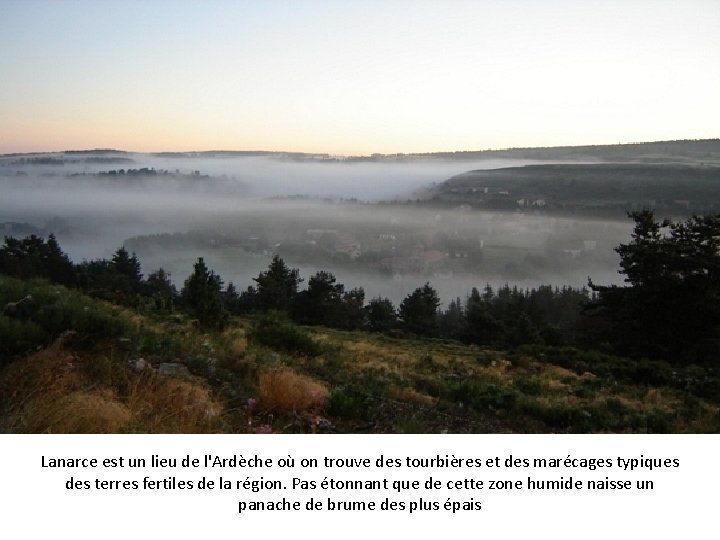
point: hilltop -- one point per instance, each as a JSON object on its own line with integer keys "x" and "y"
{"x": 675, "y": 151}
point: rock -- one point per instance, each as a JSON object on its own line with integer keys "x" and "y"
{"x": 140, "y": 364}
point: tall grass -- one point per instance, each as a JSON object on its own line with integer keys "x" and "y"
{"x": 283, "y": 389}
{"x": 53, "y": 391}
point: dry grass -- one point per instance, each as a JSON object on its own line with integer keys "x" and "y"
{"x": 77, "y": 412}
{"x": 48, "y": 371}
{"x": 408, "y": 393}
{"x": 396, "y": 359}
{"x": 501, "y": 369}
{"x": 50, "y": 391}
{"x": 659, "y": 399}
{"x": 162, "y": 404}
{"x": 238, "y": 347}
{"x": 45, "y": 393}
{"x": 283, "y": 389}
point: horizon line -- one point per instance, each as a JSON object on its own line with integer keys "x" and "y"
{"x": 373, "y": 154}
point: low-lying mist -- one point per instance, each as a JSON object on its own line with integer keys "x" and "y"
{"x": 238, "y": 211}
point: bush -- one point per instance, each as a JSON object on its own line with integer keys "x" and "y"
{"x": 53, "y": 310}
{"x": 610, "y": 415}
{"x": 349, "y": 402}
{"x": 427, "y": 364}
{"x": 276, "y": 331}
{"x": 18, "y": 336}
{"x": 530, "y": 385}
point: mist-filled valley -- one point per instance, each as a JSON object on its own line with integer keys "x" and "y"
{"x": 377, "y": 294}
{"x": 364, "y": 220}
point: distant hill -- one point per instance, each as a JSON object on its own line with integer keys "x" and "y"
{"x": 705, "y": 151}
{"x": 605, "y": 187}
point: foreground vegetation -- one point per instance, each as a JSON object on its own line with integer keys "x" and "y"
{"x": 95, "y": 347}
{"x": 86, "y": 365}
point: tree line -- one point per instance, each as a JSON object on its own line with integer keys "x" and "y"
{"x": 669, "y": 308}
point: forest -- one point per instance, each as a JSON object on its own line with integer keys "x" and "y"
{"x": 319, "y": 357}
{"x": 604, "y": 189}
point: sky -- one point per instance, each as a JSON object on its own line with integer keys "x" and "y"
{"x": 355, "y": 77}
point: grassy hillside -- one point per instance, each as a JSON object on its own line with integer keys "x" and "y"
{"x": 71, "y": 363}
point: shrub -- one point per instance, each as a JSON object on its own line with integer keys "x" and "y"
{"x": 530, "y": 385}
{"x": 349, "y": 402}
{"x": 430, "y": 386}
{"x": 18, "y": 336}
{"x": 427, "y": 364}
{"x": 276, "y": 331}
{"x": 481, "y": 394}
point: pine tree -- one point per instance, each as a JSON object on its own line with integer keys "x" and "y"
{"x": 58, "y": 266}
{"x": 321, "y": 302}
{"x": 129, "y": 266}
{"x": 231, "y": 299}
{"x": 670, "y": 308}
{"x": 201, "y": 296}
{"x": 277, "y": 287}
{"x": 419, "y": 310}
{"x": 161, "y": 290}
{"x": 381, "y": 314}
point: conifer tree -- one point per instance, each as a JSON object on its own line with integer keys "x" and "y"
{"x": 202, "y": 297}
{"x": 277, "y": 286}
{"x": 419, "y": 310}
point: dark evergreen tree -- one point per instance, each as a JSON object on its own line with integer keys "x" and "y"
{"x": 482, "y": 327}
{"x": 247, "y": 301}
{"x": 127, "y": 265}
{"x": 33, "y": 257}
{"x": 321, "y": 302}
{"x": 352, "y": 309}
{"x": 277, "y": 286}
{"x": 419, "y": 311}
{"x": 127, "y": 280}
{"x": 381, "y": 314}
{"x": 231, "y": 299}
{"x": 453, "y": 323}
{"x": 523, "y": 331}
{"x": 58, "y": 265}
{"x": 670, "y": 308}
{"x": 201, "y": 296}
{"x": 160, "y": 290}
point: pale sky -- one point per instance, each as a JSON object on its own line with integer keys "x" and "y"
{"x": 355, "y": 77}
